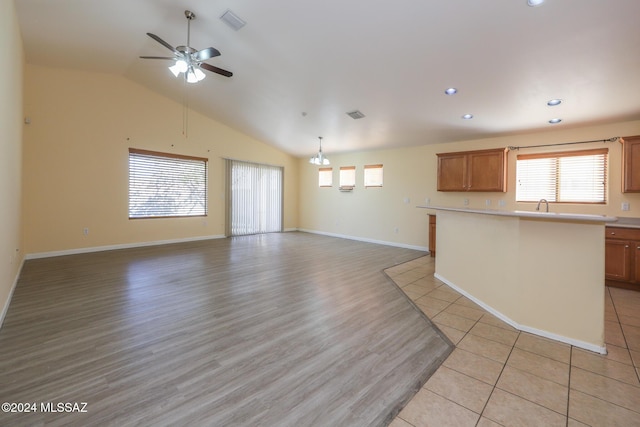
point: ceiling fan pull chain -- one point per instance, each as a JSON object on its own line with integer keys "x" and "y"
{"x": 185, "y": 110}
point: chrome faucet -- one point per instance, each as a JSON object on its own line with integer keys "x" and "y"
{"x": 546, "y": 203}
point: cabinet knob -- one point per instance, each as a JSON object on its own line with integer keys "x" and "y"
{"x": 613, "y": 233}
{"x": 626, "y": 246}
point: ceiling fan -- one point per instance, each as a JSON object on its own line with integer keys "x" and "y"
{"x": 188, "y": 60}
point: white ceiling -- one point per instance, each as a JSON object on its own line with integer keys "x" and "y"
{"x": 392, "y": 60}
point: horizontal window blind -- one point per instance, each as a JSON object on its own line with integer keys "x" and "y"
{"x": 567, "y": 177}
{"x": 166, "y": 185}
{"x": 373, "y": 176}
{"x": 347, "y": 176}
{"x": 325, "y": 177}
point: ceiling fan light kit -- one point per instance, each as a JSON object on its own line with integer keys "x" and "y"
{"x": 188, "y": 60}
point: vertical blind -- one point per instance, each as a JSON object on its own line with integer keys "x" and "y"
{"x": 568, "y": 177}
{"x": 166, "y": 185}
{"x": 255, "y": 198}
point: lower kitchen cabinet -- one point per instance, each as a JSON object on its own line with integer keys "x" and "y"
{"x": 432, "y": 235}
{"x": 622, "y": 257}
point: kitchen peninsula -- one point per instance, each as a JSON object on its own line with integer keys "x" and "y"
{"x": 540, "y": 272}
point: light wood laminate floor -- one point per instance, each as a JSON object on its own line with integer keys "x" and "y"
{"x": 284, "y": 329}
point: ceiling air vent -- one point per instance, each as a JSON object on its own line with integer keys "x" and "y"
{"x": 232, "y": 20}
{"x": 355, "y": 114}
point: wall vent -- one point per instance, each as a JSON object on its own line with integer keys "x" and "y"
{"x": 355, "y": 114}
{"x": 232, "y": 20}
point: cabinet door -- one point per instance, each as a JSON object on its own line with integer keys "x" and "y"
{"x": 631, "y": 164}
{"x": 617, "y": 262}
{"x": 635, "y": 247}
{"x": 452, "y": 172}
{"x": 487, "y": 171}
{"x": 432, "y": 235}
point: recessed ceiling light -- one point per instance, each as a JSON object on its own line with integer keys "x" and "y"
{"x": 467, "y": 116}
{"x": 451, "y": 91}
{"x": 554, "y": 102}
{"x": 534, "y": 3}
{"x": 554, "y": 121}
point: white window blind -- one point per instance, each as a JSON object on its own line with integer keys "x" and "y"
{"x": 325, "y": 177}
{"x": 255, "y": 202}
{"x": 347, "y": 176}
{"x": 373, "y": 176}
{"x": 166, "y": 185}
{"x": 566, "y": 177}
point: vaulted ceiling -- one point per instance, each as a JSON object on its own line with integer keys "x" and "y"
{"x": 299, "y": 66}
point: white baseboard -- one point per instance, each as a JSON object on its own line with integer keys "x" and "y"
{"x": 525, "y": 328}
{"x": 363, "y": 239}
{"x": 5, "y": 308}
{"x": 121, "y": 246}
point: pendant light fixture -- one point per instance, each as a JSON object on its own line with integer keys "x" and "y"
{"x": 319, "y": 159}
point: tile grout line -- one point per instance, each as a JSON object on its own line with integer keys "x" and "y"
{"x": 615, "y": 310}
{"x": 498, "y": 379}
{"x": 635, "y": 368}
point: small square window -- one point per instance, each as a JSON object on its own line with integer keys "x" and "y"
{"x": 347, "y": 177}
{"x": 373, "y": 176}
{"x": 325, "y": 177}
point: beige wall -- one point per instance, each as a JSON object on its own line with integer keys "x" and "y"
{"x": 542, "y": 276}
{"x": 410, "y": 173}
{"x": 76, "y": 161}
{"x": 11, "y": 125}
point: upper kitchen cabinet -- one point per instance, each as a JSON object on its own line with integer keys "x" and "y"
{"x": 630, "y": 164}
{"x": 481, "y": 170}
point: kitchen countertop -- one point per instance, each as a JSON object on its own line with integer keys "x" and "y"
{"x": 626, "y": 222}
{"x": 555, "y": 216}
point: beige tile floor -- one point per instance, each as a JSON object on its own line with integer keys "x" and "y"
{"x": 498, "y": 375}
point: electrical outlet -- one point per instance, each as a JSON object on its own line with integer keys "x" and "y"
{"x": 625, "y": 206}
{"x": 501, "y": 203}
{"x": 487, "y": 202}
{"x": 395, "y": 230}
{"x": 407, "y": 200}
{"x": 466, "y": 202}
{"x": 85, "y": 231}
{"x": 427, "y": 201}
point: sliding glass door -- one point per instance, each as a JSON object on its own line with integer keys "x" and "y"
{"x": 254, "y": 198}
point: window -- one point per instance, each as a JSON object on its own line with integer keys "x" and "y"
{"x": 325, "y": 177}
{"x": 166, "y": 185}
{"x": 347, "y": 177}
{"x": 255, "y": 201}
{"x": 566, "y": 177}
{"x": 373, "y": 176}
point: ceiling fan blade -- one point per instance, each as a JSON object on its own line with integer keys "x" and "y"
{"x": 163, "y": 43}
{"x": 217, "y": 70}
{"x": 159, "y": 57}
{"x": 207, "y": 53}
